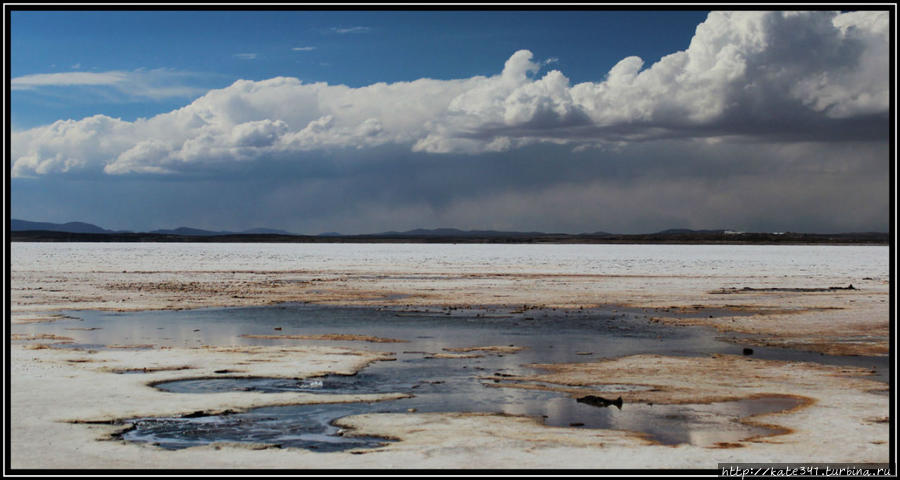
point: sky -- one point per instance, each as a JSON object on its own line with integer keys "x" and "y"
{"x": 370, "y": 121}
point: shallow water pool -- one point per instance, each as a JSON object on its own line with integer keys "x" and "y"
{"x": 472, "y": 384}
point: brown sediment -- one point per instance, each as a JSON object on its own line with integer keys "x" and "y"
{"x": 674, "y": 380}
{"x": 791, "y": 309}
{"x": 150, "y": 369}
{"x": 454, "y": 355}
{"x": 775, "y": 430}
{"x": 84, "y": 360}
{"x": 489, "y": 348}
{"x": 857, "y": 328}
{"x": 732, "y": 290}
{"x": 757, "y": 309}
{"x": 329, "y": 336}
{"x": 854, "y": 311}
{"x": 835, "y": 347}
{"x": 879, "y": 420}
{"x": 24, "y": 319}
{"x": 41, "y": 336}
{"x": 132, "y": 346}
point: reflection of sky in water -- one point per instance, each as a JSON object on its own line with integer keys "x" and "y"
{"x": 555, "y": 338}
{"x": 306, "y": 426}
{"x": 441, "y": 385}
{"x": 698, "y": 424}
{"x": 550, "y": 339}
{"x": 669, "y": 424}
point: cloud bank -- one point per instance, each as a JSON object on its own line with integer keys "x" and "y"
{"x": 746, "y": 76}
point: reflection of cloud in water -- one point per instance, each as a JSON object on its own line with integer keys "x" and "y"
{"x": 565, "y": 411}
{"x": 515, "y": 401}
{"x": 703, "y": 425}
{"x": 453, "y": 385}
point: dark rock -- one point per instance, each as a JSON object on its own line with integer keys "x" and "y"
{"x": 596, "y": 401}
{"x": 748, "y": 351}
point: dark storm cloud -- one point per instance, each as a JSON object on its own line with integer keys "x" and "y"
{"x": 644, "y": 188}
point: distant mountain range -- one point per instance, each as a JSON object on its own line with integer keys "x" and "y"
{"x": 685, "y": 231}
{"x": 455, "y": 232}
{"x": 16, "y": 225}
{"x": 80, "y": 231}
{"x": 81, "y": 227}
{"x": 197, "y": 232}
{"x": 71, "y": 227}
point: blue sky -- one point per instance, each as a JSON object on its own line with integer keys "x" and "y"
{"x": 361, "y": 121}
{"x": 213, "y": 49}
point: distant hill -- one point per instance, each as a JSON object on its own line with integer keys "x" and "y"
{"x": 267, "y": 231}
{"x": 686, "y": 231}
{"x": 16, "y": 225}
{"x": 23, "y": 230}
{"x": 454, "y": 232}
{"x": 209, "y": 233}
{"x": 872, "y": 238}
{"x": 187, "y": 231}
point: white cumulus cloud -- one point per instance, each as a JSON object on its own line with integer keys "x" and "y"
{"x": 748, "y": 74}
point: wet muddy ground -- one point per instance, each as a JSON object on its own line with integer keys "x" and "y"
{"x": 446, "y": 361}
